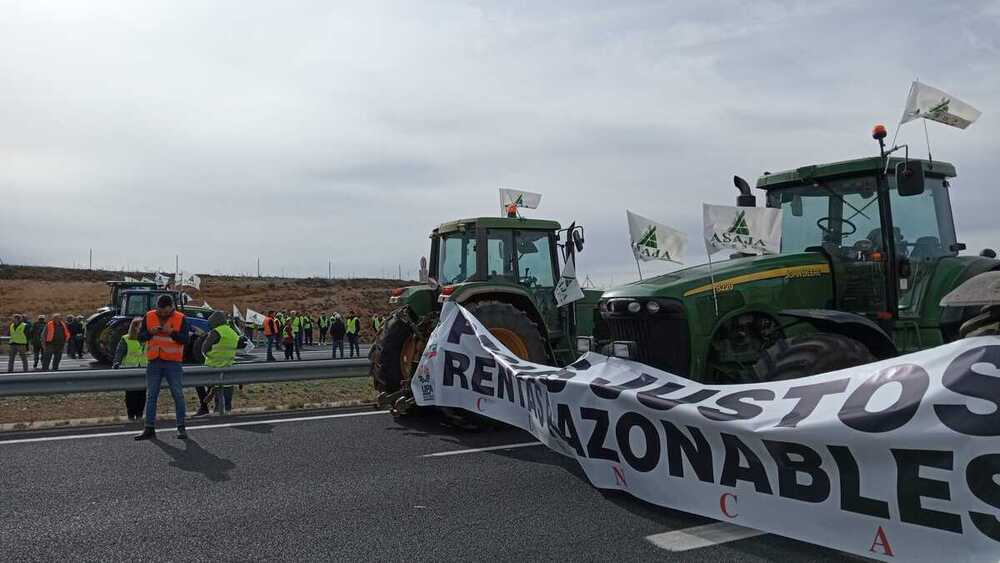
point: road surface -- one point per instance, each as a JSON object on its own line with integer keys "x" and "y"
{"x": 340, "y": 485}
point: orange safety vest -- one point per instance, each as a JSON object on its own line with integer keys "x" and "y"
{"x": 162, "y": 347}
{"x": 269, "y": 326}
{"x": 50, "y": 331}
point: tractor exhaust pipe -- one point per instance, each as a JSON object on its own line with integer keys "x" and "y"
{"x": 745, "y": 199}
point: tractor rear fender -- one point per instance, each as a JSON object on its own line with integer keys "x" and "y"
{"x": 847, "y": 324}
{"x": 505, "y": 294}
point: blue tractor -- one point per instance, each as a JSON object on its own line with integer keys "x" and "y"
{"x": 133, "y": 299}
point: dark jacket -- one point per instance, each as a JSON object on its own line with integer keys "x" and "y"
{"x": 338, "y": 329}
{"x": 37, "y": 333}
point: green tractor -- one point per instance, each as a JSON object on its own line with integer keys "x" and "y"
{"x": 504, "y": 271}
{"x": 868, "y": 251}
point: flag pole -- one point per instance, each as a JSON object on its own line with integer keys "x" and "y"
{"x": 895, "y": 133}
{"x": 711, "y": 276}
{"x": 637, "y": 266}
{"x": 927, "y": 138}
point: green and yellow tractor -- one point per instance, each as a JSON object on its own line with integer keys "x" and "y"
{"x": 868, "y": 251}
{"x": 504, "y": 270}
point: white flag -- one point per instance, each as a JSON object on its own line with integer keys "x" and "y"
{"x": 129, "y": 279}
{"x": 147, "y": 280}
{"x": 930, "y": 103}
{"x": 568, "y": 289}
{"x": 521, "y": 198}
{"x": 255, "y": 318}
{"x": 189, "y": 280}
{"x": 236, "y": 313}
{"x": 162, "y": 280}
{"x": 753, "y": 230}
{"x": 653, "y": 241}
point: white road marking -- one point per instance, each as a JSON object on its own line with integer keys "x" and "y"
{"x": 191, "y": 428}
{"x": 477, "y": 450}
{"x": 702, "y": 536}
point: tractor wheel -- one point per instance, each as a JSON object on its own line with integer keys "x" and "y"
{"x": 394, "y": 354}
{"x": 94, "y": 342}
{"x": 984, "y": 324}
{"x": 810, "y": 354}
{"x": 512, "y": 327}
{"x": 196, "y": 356}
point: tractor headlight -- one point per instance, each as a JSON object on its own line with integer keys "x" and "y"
{"x": 653, "y": 307}
{"x": 624, "y": 349}
{"x": 634, "y": 307}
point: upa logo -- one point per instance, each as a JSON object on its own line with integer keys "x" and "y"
{"x": 423, "y": 374}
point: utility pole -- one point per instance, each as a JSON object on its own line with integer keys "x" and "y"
{"x": 399, "y": 268}
{"x": 258, "y": 266}
{"x": 91, "y": 267}
{"x": 177, "y": 268}
{"x": 329, "y": 269}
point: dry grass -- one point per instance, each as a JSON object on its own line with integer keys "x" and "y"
{"x": 110, "y": 405}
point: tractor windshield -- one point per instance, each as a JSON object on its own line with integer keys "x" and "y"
{"x": 457, "y": 257}
{"x": 844, "y": 214}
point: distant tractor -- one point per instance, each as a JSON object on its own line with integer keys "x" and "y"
{"x": 504, "y": 271}
{"x": 868, "y": 250}
{"x": 134, "y": 299}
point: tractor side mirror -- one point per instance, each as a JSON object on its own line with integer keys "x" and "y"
{"x": 577, "y": 240}
{"x": 797, "y": 206}
{"x": 910, "y": 178}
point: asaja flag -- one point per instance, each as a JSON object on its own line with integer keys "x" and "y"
{"x": 753, "y": 230}
{"x": 520, "y": 198}
{"x": 568, "y": 288}
{"x": 255, "y": 318}
{"x": 162, "y": 280}
{"x": 655, "y": 241}
{"x": 236, "y": 313}
{"x": 930, "y": 103}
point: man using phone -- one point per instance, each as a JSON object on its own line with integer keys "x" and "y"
{"x": 165, "y": 332}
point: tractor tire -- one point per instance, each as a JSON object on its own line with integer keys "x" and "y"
{"x": 94, "y": 343}
{"x": 512, "y": 327}
{"x": 810, "y": 354}
{"x": 986, "y": 323}
{"x": 195, "y": 356}
{"x": 393, "y": 352}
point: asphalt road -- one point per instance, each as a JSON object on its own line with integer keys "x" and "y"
{"x": 355, "y": 485}
{"x": 258, "y": 354}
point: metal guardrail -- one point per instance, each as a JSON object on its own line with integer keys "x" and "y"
{"x": 91, "y": 381}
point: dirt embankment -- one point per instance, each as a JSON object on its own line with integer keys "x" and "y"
{"x": 36, "y": 290}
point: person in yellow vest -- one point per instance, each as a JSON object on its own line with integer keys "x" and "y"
{"x": 131, "y": 353}
{"x": 297, "y": 331}
{"x": 219, "y": 349}
{"x": 353, "y": 326}
{"x": 18, "y": 343}
{"x": 165, "y": 332}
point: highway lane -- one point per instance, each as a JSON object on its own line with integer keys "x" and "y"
{"x": 258, "y": 354}
{"x": 353, "y": 485}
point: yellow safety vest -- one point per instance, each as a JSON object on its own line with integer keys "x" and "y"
{"x": 223, "y": 352}
{"x": 135, "y": 354}
{"x": 18, "y": 334}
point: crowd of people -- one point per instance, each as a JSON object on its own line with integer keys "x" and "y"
{"x": 289, "y": 332}
{"x": 46, "y": 339}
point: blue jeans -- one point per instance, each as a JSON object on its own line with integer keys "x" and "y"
{"x": 271, "y": 338}
{"x": 155, "y": 372}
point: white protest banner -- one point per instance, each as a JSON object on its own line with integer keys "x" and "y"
{"x": 520, "y": 198}
{"x": 255, "y": 318}
{"x": 129, "y": 279}
{"x": 897, "y": 460}
{"x": 568, "y": 287}
{"x": 162, "y": 280}
{"x": 930, "y": 103}
{"x": 189, "y": 280}
{"x": 655, "y": 241}
{"x": 753, "y": 230}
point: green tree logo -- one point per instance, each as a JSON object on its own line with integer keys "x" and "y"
{"x": 740, "y": 226}
{"x": 648, "y": 238}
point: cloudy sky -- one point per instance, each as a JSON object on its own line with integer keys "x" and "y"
{"x": 303, "y": 132}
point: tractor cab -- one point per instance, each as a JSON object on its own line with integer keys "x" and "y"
{"x": 490, "y": 251}
{"x": 836, "y": 209}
